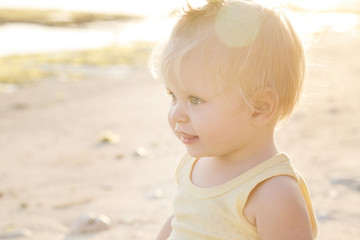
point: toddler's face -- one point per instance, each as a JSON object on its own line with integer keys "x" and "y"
{"x": 205, "y": 115}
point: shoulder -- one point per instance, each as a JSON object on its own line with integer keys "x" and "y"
{"x": 277, "y": 188}
{"x": 278, "y": 209}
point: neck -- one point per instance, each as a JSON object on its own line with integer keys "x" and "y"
{"x": 260, "y": 148}
{"x": 238, "y": 162}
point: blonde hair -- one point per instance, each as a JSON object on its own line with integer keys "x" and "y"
{"x": 246, "y": 45}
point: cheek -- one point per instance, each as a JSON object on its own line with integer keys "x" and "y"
{"x": 204, "y": 124}
{"x": 216, "y": 125}
{"x": 170, "y": 120}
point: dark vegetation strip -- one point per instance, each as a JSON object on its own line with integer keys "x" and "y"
{"x": 28, "y": 68}
{"x": 57, "y": 18}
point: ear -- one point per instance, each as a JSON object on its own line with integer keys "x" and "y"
{"x": 266, "y": 104}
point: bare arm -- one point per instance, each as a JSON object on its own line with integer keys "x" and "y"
{"x": 279, "y": 211}
{"x": 165, "y": 230}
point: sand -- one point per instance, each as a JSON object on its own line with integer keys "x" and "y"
{"x": 102, "y": 145}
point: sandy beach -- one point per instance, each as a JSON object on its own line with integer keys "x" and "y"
{"x": 102, "y": 145}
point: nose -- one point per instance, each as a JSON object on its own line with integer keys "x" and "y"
{"x": 178, "y": 113}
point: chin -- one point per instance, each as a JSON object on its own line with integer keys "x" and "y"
{"x": 193, "y": 153}
{"x": 196, "y": 153}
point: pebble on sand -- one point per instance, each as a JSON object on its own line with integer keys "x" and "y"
{"x": 90, "y": 223}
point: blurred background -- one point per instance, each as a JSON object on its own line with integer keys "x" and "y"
{"x": 51, "y": 29}
{"x": 83, "y": 126}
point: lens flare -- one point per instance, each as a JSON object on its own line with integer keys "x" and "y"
{"x": 237, "y": 24}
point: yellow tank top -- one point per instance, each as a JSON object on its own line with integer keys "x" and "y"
{"x": 217, "y": 213}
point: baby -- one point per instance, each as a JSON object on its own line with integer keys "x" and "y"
{"x": 233, "y": 71}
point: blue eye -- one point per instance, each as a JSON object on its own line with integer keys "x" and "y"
{"x": 195, "y": 100}
{"x": 172, "y": 97}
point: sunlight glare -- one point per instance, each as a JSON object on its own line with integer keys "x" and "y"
{"x": 318, "y": 5}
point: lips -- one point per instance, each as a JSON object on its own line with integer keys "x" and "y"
{"x": 187, "y": 138}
